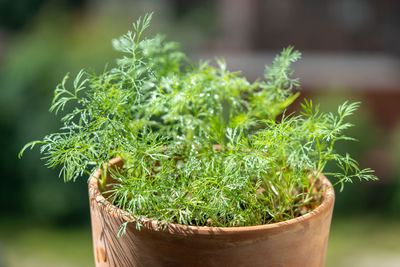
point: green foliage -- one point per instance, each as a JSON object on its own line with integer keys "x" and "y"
{"x": 201, "y": 145}
{"x": 276, "y": 94}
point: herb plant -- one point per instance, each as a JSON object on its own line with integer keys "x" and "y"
{"x": 201, "y": 145}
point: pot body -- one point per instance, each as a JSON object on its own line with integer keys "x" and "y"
{"x": 298, "y": 242}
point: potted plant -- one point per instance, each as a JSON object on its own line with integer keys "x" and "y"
{"x": 192, "y": 164}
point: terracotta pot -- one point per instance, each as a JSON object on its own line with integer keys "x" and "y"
{"x": 298, "y": 242}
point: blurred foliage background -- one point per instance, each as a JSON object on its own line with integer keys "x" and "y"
{"x": 351, "y": 51}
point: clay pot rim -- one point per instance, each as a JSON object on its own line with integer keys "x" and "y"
{"x": 324, "y": 207}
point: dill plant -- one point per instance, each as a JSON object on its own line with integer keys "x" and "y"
{"x": 201, "y": 145}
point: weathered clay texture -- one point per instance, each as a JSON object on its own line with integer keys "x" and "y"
{"x": 298, "y": 242}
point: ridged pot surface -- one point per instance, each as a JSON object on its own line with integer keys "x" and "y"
{"x": 297, "y": 242}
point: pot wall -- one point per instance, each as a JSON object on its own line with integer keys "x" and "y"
{"x": 298, "y": 242}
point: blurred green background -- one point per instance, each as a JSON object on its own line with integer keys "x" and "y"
{"x": 351, "y": 50}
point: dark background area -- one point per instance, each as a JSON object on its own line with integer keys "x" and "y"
{"x": 351, "y": 50}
